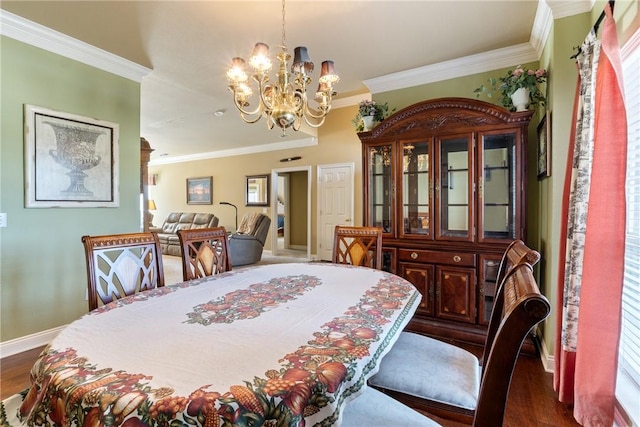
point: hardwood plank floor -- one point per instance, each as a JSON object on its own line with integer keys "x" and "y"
{"x": 532, "y": 400}
{"x": 14, "y": 372}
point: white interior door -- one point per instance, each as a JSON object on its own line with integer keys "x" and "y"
{"x": 335, "y": 203}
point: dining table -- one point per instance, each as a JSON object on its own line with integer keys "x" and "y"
{"x": 271, "y": 345}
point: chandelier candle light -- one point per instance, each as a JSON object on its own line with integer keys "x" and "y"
{"x": 284, "y": 102}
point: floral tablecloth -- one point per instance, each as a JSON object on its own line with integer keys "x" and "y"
{"x": 275, "y": 345}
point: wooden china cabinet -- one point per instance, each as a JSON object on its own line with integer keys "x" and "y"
{"x": 445, "y": 179}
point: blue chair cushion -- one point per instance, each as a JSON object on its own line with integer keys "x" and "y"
{"x": 375, "y": 409}
{"x": 430, "y": 369}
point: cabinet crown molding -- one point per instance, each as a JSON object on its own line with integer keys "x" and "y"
{"x": 435, "y": 114}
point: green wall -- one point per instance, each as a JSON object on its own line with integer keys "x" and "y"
{"x": 42, "y": 266}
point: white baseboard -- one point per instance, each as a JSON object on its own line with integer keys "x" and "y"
{"x": 18, "y": 345}
{"x": 548, "y": 360}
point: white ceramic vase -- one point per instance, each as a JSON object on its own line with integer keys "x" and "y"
{"x": 520, "y": 99}
{"x": 367, "y": 123}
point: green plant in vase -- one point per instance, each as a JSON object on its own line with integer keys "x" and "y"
{"x": 370, "y": 112}
{"x": 519, "y": 81}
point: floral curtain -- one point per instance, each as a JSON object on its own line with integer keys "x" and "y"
{"x": 591, "y": 268}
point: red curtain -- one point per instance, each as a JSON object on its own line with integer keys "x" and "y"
{"x": 586, "y": 371}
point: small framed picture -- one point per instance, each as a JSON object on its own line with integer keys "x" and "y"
{"x": 544, "y": 146}
{"x": 199, "y": 191}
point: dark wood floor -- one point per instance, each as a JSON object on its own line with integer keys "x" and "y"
{"x": 531, "y": 388}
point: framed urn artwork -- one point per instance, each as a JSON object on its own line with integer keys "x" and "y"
{"x": 71, "y": 161}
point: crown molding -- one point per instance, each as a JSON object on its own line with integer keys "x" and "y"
{"x": 29, "y": 32}
{"x": 542, "y": 24}
{"x": 564, "y": 8}
{"x": 473, "y": 64}
{"x": 298, "y": 143}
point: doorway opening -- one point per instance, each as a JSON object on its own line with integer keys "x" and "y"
{"x": 291, "y": 212}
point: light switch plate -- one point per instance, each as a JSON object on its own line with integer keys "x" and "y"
{"x": 3, "y": 219}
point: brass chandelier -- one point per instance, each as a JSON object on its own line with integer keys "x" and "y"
{"x": 284, "y": 102}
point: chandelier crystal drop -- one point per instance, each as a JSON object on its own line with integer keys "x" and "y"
{"x": 284, "y": 102}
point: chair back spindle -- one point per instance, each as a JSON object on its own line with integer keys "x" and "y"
{"x": 204, "y": 252}
{"x": 360, "y": 246}
{"x": 120, "y": 265}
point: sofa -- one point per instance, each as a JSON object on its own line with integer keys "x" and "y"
{"x": 168, "y": 233}
{"x": 246, "y": 244}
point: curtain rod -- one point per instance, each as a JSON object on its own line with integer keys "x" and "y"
{"x": 595, "y": 27}
{"x": 602, "y": 15}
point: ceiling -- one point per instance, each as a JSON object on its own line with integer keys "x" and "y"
{"x": 188, "y": 46}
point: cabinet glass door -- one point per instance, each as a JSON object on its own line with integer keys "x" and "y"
{"x": 497, "y": 185}
{"x": 455, "y": 189}
{"x": 416, "y": 189}
{"x": 381, "y": 187}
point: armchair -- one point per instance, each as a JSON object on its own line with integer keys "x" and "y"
{"x": 246, "y": 244}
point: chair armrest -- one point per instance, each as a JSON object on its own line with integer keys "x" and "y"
{"x": 243, "y": 237}
{"x": 155, "y": 229}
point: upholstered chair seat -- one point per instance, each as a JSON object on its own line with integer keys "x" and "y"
{"x": 374, "y": 408}
{"x": 439, "y": 372}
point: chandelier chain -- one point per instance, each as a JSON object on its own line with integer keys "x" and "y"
{"x": 283, "y": 33}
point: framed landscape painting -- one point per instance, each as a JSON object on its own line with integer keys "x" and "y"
{"x": 199, "y": 191}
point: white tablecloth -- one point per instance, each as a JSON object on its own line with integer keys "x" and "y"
{"x": 281, "y": 344}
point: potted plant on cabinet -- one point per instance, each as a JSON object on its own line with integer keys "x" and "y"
{"x": 518, "y": 89}
{"x": 369, "y": 113}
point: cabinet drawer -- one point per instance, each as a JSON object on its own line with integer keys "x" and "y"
{"x": 434, "y": 257}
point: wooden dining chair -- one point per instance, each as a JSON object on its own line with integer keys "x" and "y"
{"x": 523, "y": 308}
{"x": 120, "y": 265}
{"x": 439, "y": 377}
{"x": 204, "y": 252}
{"x": 358, "y": 246}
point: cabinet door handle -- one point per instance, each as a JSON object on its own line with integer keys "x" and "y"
{"x": 414, "y": 255}
{"x": 457, "y": 258}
